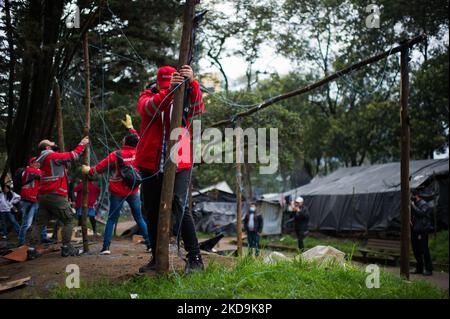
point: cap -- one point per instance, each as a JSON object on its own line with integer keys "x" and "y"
{"x": 299, "y": 200}
{"x": 164, "y": 76}
{"x": 44, "y": 143}
{"x": 32, "y": 160}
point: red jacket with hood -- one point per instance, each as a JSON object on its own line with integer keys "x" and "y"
{"x": 116, "y": 184}
{"x": 54, "y": 170}
{"x": 155, "y": 108}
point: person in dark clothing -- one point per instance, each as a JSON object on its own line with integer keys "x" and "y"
{"x": 421, "y": 225}
{"x": 253, "y": 225}
{"x": 301, "y": 219}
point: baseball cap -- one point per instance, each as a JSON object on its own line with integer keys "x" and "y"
{"x": 164, "y": 76}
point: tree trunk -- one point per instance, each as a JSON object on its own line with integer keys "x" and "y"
{"x": 36, "y": 109}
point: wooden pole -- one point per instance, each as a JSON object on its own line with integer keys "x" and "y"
{"x": 165, "y": 208}
{"x": 86, "y": 158}
{"x": 325, "y": 80}
{"x": 59, "y": 117}
{"x": 404, "y": 169}
{"x": 238, "y": 188}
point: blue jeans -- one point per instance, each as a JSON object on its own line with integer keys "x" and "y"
{"x": 9, "y": 217}
{"x": 29, "y": 212}
{"x": 115, "y": 205}
{"x": 253, "y": 242}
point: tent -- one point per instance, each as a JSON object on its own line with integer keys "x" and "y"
{"x": 218, "y": 192}
{"x": 367, "y": 198}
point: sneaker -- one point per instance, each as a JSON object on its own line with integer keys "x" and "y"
{"x": 427, "y": 273}
{"x": 105, "y": 251}
{"x": 151, "y": 266}
{"x": 194, "y": 264}
{"x": 32, "y": 253}
{"x": 148, "y": 249}
{"x": 69, "y": 250}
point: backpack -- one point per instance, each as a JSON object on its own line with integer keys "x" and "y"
{"x": 130, "y": 175}
{"x": 17, "y": 180}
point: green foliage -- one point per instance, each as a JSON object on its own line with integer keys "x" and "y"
{"x": 251, "y": 278}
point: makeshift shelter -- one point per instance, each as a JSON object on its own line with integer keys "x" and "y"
{"x": 217, "y": 217}
{"x": 367, "y": 198}
{"x": 220, "y": 192}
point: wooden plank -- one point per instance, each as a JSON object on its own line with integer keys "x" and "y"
{"x": 14, "y": 284}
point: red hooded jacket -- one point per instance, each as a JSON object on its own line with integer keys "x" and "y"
{"x": 54, "y": 170}
{"x": 155, "y": 108}
{"x": 93, "y": 192}
{"x": 116, "y": 184}
{"x": 29, "y": 189}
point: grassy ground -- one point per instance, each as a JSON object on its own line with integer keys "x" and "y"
{"x": 438, "y": 246}
{"x": 251, "y": 278}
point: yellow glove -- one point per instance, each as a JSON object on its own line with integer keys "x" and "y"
{"x": 85, "y": 169}
{"x": 127, "y": 123}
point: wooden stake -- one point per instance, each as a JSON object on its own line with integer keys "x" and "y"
{"x": 165, "y": 208}
{"x": 59, "y": 117}
{"x": 404, "y": 167}
{"x": 238, "y": 188}
{"x": 86, "y": 158}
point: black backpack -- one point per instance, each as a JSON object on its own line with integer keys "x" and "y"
{"x": 17, "y": 180}
{"x": 130, "y": 175}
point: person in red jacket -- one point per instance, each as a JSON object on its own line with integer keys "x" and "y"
{"x": 31, "y": 176}
{"x": 120, "y": 191}
{"x": 155, "y": 108}
{"x": 52, "y": 196}
{"x": 93, "y": 192}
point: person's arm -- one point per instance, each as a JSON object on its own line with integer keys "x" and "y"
{"x": 261, "y": 224}
{"x": 72, "y": 155}
{"x": 421, "y": 210}
{"x": 103, "y": 164}
{"x": 151, "y": 104}
{"x": 196, "y": 99}
{"x": 15, "y": 199}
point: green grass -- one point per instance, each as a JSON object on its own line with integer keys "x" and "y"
{"x": 251, "y": 278}
{"x": 439, "y": 247}
{"x": 345, "y": 245}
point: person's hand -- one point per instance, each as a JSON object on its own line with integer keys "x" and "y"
{"x": 176, "y": 80}
{"x": 85, "y": 140}
{"x": 186, "y": 72}
{"x": 85, "y": 169}
{"x": 127, "y": 122}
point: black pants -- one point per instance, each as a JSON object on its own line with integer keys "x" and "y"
{"x": 300, "y": 237}
{"x": 151, "y": 194}
{"x": 93, "y": 223}
{"x": 419, "y": 242}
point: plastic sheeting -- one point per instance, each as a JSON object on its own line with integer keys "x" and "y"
{"x": 367, "y": 198}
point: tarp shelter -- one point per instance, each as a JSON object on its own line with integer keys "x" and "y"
{"x": 219, "y": 192}
{"x": 367, "y": 198}
{"x": 217, "y": 217}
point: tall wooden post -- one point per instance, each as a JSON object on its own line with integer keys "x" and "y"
{"x": 238, "y": 187}
{"x": 86, "y": 158}
{"x": 165, "y": 208}
{"x": 59, "y": 117}
{"x": 404, "y": 169}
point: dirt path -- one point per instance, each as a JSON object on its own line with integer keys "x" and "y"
{"x": 48, "y": 271}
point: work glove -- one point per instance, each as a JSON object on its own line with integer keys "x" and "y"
{"x": 127, "y": 123}
{"x": 85, "y": 169}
